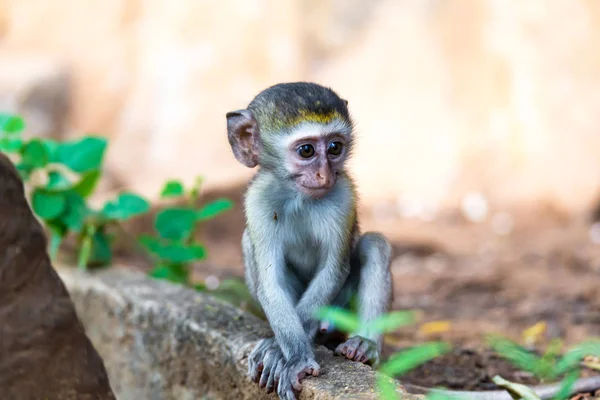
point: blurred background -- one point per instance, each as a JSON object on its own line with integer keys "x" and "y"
{"x": 478, "y": 123}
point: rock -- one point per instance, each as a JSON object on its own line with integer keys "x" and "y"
{"x": 162, "y": 341}
{"x": 38, "y": 89}
{"x": 44, "y": 351}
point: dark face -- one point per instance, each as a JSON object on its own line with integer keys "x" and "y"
{"x": 315, "y": 161}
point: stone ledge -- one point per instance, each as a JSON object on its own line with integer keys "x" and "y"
{"x": 161, "y": 341}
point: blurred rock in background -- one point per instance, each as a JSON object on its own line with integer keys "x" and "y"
{"x": 495, "y": 97}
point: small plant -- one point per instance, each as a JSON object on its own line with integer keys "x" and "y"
{"x": 399, "y": 363}
{"x": 547, "y": 367}
{"x": 175, "y": 247}
{"x": 60, "y": 178}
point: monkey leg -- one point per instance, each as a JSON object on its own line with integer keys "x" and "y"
{"x": 371, "y": 280}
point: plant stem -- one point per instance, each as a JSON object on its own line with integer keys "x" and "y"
{"x": 55, "y": 241}
{"x": 86, "y": 247}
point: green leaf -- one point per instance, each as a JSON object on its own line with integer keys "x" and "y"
{"x": 82, "y": 155}
{"x": 392, "y": 321}
{"x": 101, "y": 249}
{"x": 547, "y": 363}
{"x": 24, "y": 171}
{"x": 343, "y": 320}
{"x": 174, "y": 273}
{"x": 11, "y": 123}
{"x": 150, "y": 243}
{"x": 57, "y": 227}
{"x": 175, "y": 223}
{"x": 172, "y": 252}
{"x": 125, "y": 206}
{"x": 213, "y": 209}
{"x": 76, "y": 212}
{"x": 387, "y": 388}
{"x": 404, "y": 361}
{"x": 567, "y": 385}
{"x": 48, "y": 205}
{"x": 514, "y": 353}
{"x": 87, "y": 184}
{"x": 51, "y": 148}
{"x": 172, "y": 189}
{"x": 57, "y": 182}
{"x": 576, "y": 354}
{"x": 11, "y": 145}
{"x": 516, "y": 390}
{"x": 35, "y": 154}
{"x": 182, "y": 254}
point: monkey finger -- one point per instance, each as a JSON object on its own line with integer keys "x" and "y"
{"x": 272, "y": 379}
{"x": 341, "y": 349}
{"x": 266, "y": 375}
{"x": 277, "y": 374}
{"x": 350, "y": 353}
{"x": 256, "y": 371}
{"x": 359, "y": 355}
{"x": 362, "y": 350}
{"x": 315, "y": 368}
{"x": 285, "y": 391}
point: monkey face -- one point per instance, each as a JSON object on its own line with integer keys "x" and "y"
{"x": 315, "y": 161}
{"x": 298, "y": 131}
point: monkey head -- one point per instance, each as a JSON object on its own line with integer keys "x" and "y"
{"x": 302, "y": 132}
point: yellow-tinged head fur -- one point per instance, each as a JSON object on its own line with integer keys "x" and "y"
{"x": 282, "y": 107}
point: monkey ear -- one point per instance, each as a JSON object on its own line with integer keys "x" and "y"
{"x": 243, "y": 134}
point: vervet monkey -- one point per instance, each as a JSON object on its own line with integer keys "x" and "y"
{"x": 302, "y": 244}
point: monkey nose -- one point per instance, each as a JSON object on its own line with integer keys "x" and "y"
{"x": 322, "y": 178}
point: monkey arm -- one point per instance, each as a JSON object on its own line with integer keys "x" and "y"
{"x": 322, "y": 290}
{"x": 278, "y": 306}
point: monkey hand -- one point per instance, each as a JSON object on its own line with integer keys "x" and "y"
{"x": 263, "y": 362}
{"x": 358, "y": 348}
{"x": 294, "y": 370}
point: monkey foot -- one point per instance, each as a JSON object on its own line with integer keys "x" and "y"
{"x": 359, "y": 349}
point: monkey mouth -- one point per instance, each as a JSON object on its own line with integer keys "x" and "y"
{"x": 316, "y": 191}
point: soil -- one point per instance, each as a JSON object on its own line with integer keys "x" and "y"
{"x": 467, "y": 369}
{"x": 450, "y": 269}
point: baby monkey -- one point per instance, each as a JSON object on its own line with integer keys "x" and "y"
{"x": 302, "y": 245}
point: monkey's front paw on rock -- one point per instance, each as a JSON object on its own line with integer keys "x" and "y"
{"x": 256, "y": 359}
{"x": 294, "y": 370}
{"x": 359, "y": 349}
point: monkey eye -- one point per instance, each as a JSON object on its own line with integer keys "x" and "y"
{"x": 335, "y": 148}
{"x": 306, "y": 151}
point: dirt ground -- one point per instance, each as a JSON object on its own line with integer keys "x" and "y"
{"x": 449, "y": 269}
